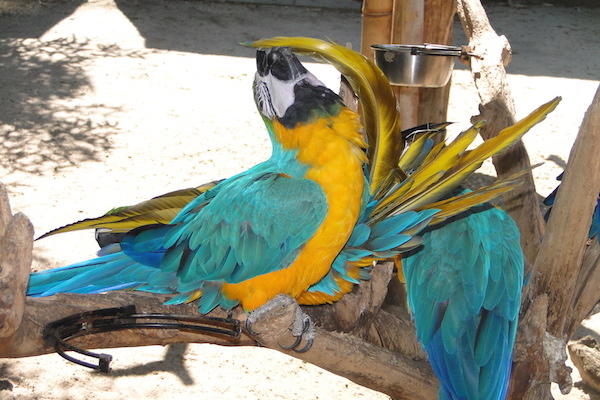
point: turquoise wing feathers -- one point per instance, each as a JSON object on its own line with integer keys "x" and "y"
{"x": 464, "y": 290}
{"x": 253, "y": 226}
{"x": 225, "y": 235}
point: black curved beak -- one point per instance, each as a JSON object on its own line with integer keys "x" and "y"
{"x": 280, "y": 62}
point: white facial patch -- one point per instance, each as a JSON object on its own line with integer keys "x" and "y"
{"x": 275, "y": 96}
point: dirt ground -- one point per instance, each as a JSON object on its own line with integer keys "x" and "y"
{"x": 109, "y": 102}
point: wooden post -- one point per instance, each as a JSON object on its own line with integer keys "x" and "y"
{"x": 411, "y": 22}
{"x": 437, "y": 28}
{"x": 376, "y": 24}
{"x": 408, "y": 28}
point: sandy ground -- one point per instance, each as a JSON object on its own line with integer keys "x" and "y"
{"x": 109, "y": 102}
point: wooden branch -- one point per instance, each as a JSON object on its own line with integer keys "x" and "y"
{"x": 28, "y": 339}
{"x": 16, "y": 244}
{"x": 497, "y": 108}
{"x": 394, "y": 330}
{"x": 530, "y": 366}
{"x": 586, "y": 291}
{"x": 344, "y": 354}
{"x": 356, "y": 309}
{"x": 561, "y": 253}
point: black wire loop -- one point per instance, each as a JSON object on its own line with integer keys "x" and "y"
{"x": 57, "y": 333}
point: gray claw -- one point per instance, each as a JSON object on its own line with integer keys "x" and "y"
{"x": 303, "y": 328}
{"x": 293, "y": 345}
{"x": 307, "y": 346}
{"x": 248, "y": 326}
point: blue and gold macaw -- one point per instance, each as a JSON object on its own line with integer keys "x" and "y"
{"x": 309, "y": 220}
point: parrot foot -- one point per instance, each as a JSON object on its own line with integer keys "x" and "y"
{"x": 303, "y": 328}
{"x": 248, "y": 326}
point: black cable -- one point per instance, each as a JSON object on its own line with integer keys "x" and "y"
{"x": 57, "y": 333}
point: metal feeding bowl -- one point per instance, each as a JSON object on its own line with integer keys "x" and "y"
{"x": 428, "y": 65}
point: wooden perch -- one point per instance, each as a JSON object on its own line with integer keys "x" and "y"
{"x": 343, "y": 354}
{"x": 348, "y": 356}
{"x": 562, "y": 251}
{"x": 16, "y": 244}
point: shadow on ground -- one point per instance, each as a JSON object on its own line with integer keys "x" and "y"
{"x": 39, "y": 125}
{"x": 174, "y": 362}
{"x": 30, "y": 18}
{"x": 195, "y": 26}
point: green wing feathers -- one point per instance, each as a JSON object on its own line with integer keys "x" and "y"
{"x": 158, "y": 210}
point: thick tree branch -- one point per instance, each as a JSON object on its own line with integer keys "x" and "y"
{"x": 16, "y": 244}
{"x": 29, "y": 341}
{"x": 357, "y": 309}
{"x": 562, "y": 251}
{"x": 586, "y": 294}
{"x": 346, "y": 355}
{"x": 343, "y": 354}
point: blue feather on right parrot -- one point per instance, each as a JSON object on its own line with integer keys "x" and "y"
{"x": 464, "y": 291}
{"x": 595, "y": 225}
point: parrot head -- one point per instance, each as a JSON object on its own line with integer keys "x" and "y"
{"x": 287, "y": 92}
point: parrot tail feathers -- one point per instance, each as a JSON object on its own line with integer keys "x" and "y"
{"x": 161, "y": 209}
{"x": 92, "y": 276}
{"x": 447, "y": 166}
{"x": 87, "y": 223}
{"x": 455, "y": 205}
{"x": 111, "y": 272}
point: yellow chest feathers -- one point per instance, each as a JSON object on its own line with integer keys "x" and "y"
{"x": 332, "y": 148}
